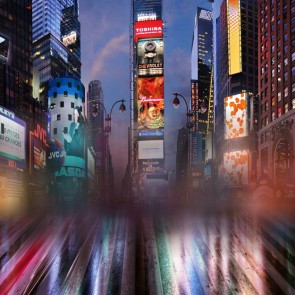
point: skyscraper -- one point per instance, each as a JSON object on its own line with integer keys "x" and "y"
{"x": 15, "y": 54}
{"x": 235, "y": 44}
{"x": 147, "y": 89}
{"x": 56, "y": 40}
{"x": 276, "y": 91}
{"x": 202, "y": 104}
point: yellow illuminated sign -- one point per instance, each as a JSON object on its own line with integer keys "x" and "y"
{"x": 234, "y": 36}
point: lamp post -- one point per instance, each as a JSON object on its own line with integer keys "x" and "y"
{"x": 107, "y": 130}
{"x": 189, "y": 125}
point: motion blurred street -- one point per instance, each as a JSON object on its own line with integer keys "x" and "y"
{"x": 125, "y": 248}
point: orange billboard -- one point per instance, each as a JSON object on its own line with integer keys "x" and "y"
{"x": 235, "y": 167}
{"x": 234, "y": 36}
{"x": 236, "y": 116}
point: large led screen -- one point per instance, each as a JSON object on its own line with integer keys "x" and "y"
{"x": 150, "y": 103}
{"x": 150, "y": 149}
{"x": 4, "y": 49}
{"x": 235, "y": 169}
{"x": 148, "y": 29}
{"x": 236, "y": 116}
{"x": 234, "y": 36}
{"x": 12, "y": 137}
{"x": 150, "y": 57}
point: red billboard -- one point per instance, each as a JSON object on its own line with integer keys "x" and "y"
{"x": 148, "y": 29}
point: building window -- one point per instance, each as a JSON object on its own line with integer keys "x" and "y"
{"x": 293, "y": 56}
{"x": 62, "y": 104}
{"x": 65, "y": 93}
{"x": 266, "y": 106}
{"x": 286, "y": 92}
{"x": 54, "y": 130}
{"x": 293, "y": 103}
{"x": 58, "y": 117}
{"x": 78, "y": 87}
{"x": 279, "y": 112}
{"x": 55, "y": 94}
{"x": 70, "y": 117}
{"x": 286, "y": 61}
{"x": 72, "y": 105}
{"x": 272, "y": 73}
{"x": 279, "y": 68}
{"x": 286, "y": 76}
{"x": 266, "y": 121}
{"x": 293, "y": 87}
{"x": 286, "y": 107}
{"x": 273, "y": 116}
{"x": 76, "y": 95}
{"x": 279, "y": 96}
{"x": 293, "y": 71}
{"x": 57, "y": 84}
{"x": 70, "y": 84}
{"x": 273, "y": 87}
{"x": 273, "y": 101}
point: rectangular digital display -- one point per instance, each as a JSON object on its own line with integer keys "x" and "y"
{"x": 150, "y": 103}
{"x": 148, "y": 29}
{"x": 235, "y": 169}
{"x": 150, "y": 149}
{"x": 150, "y": 57}
{"x": 236, "y": 116}
{"x": 234, "y": 36}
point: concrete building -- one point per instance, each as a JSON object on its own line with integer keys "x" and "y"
{"x": 276, "y": 92}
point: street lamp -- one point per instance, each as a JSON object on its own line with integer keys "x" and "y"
{"x": 107, "y": 130}
{"x": 189, "y": 126}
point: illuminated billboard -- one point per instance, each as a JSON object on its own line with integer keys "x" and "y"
{"x": 4, "y": 48}
{"x": 148, "y": 29}
{"x": 236, "y": 116}
{"x": 151, "y": 165}
{"x": 150, "y": 57}
{"x": 70, "y": 38}
{"x": 150, "y": 103}
{"x": 12, "y": 138}
{"x": 150, "y": 149}
{"x": 235, "y": 169}
{"x": 234, "y": 36}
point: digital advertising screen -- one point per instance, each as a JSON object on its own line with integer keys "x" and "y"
{"x": 235, "y": 167}
{"x": 234, "y": 36}
{"x": 150, "y": 103}
{"x": 150, "y": 149}
{"x": 236, "y": 116}
{"x": 4, "y": 48}
{"x": 39, "y": 155}
{"x": 150, "y": 57}
{"x": 151, "y": 166}
{"x": 12, "y": 138}
{"x": 148, "y": 29}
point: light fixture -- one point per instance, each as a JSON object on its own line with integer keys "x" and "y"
{"x": 176, "y": 101}
{"x": 122, "y": 107}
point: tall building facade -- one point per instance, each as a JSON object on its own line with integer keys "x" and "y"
{"x": 147, "y": 91}
{"x": 235, "y": 41}
{"x": 15, "y": 54}
{"x": 276, "y": 92}
{"x": 202, "y": 100}
{"x": 56, "y": 40}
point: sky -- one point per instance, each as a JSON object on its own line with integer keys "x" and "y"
{"x": 105, "y": 56}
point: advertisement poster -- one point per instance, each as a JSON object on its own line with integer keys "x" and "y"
{"x": 150, "y": 103}
{"x": 150, "y": 57}
{"x": 12, "y": 138}
{"x": 235, "y": 169}
{"x": 236, "y": 116}
{"x": 39, "y": 155}
{"x": 148, "y": 29}
{"x": 150, "y": 149}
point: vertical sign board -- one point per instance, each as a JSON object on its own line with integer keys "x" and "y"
{"x": 12, "y": 153}
{"x": 12, "y": 138}
{"x": 234, "y": 36}
{"x": 236, "y": 116}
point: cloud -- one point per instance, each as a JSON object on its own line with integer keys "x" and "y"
{"x": 110, "y": 50}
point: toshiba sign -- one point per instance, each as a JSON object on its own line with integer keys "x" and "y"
{"x": 148, "y": 29}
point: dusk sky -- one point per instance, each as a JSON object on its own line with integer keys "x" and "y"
{"x": 105, "y": 31}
